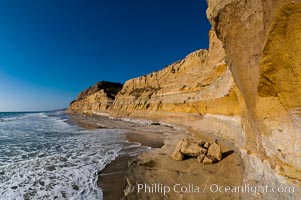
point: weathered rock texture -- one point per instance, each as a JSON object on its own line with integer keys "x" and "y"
{"x": 245, "y": 88}
{"x": 191, "y": 149}
{"x": 199, "y": 84}
{"x": 262, "y": 41}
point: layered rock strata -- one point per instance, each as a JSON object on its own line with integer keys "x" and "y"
{"x": 199, "y": 84}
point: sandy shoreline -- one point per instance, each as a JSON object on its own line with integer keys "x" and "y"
{"x": 112, "y": 178}
{"x": 156, "y": 166}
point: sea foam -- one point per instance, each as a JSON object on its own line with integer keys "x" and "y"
{"x": 42, "y": 157}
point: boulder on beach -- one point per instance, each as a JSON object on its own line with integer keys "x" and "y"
{"x": 192, "y": 149}
{"x": 205, "y": 152}
{"x": 177, "y": 155}
{"x": 215, "y": 151}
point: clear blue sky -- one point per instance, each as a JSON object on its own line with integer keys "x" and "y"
{"x": 50, "y": 50}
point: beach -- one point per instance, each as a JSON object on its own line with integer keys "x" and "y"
{"x": 112, "y": 178}
{"x": 154, "y": 165}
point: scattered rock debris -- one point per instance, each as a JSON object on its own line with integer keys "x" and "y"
{"x": 204, "y": 152}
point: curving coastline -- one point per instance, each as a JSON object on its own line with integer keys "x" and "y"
{"x": 244, "y": 89}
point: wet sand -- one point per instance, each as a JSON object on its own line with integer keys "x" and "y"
{"x": 150, "y": 139}
{"x": 112, "y": 178}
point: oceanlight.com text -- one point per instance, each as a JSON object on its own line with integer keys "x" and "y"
{"x": 213, "y": 188}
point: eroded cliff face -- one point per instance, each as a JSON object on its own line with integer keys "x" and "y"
{"x": 262, "y": 41}
{"x": 199, "y": 84}
{"x": 95, "y": 99}
{"x": 198, "y": 92}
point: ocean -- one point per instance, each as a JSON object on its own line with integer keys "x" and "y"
{"x": 44, "y": 157}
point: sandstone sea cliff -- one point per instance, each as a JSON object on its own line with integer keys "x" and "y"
{"x": 244, "y": 89}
